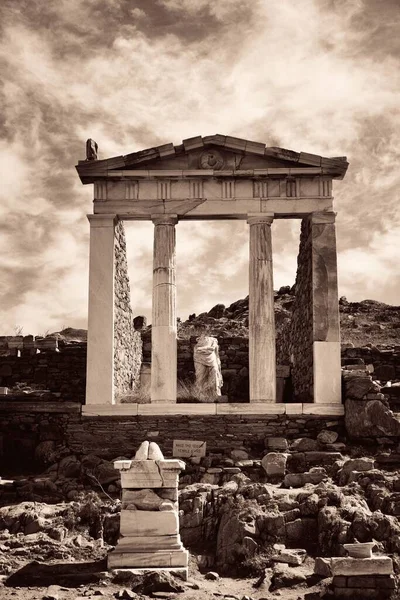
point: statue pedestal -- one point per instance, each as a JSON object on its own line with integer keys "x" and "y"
{"x": 149, "y": 531}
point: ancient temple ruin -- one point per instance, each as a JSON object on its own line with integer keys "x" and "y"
{"x": 213, "y": 178}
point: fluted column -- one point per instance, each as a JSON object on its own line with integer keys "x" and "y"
{"x": 262, "y": 362}
{"x": 163, "y": 331}
{"x": 100, "y": 344}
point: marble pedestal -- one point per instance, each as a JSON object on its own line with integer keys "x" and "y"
{"x": 149, "y": 531}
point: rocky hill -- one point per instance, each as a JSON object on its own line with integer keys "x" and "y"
{"x": 365, "y": 322}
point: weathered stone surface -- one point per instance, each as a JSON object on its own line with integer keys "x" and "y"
{"x": 274, "y": 464}
{"x": 290, "y": 556}
{"x": 300, "y": 479}
{"x": 327, "y": 437}
{"x": 261, "y": 311}
{"x": 276, "y": 443}
{"x": 164, "y": 346}
{"x": 142, "y": 452}
{"x": 378, "y": 565}
{"x": 303, "y": 445}
{"x": 357, "y": 384}
{"x": 155, "y": 452}
{"x": 370, "y": 418}
{"x": 143, "y": 499}
{"x": 322, "y": 566}
{"x": 207, "y": 367}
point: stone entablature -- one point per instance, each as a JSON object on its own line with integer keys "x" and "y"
{"x": 215, "y": 177}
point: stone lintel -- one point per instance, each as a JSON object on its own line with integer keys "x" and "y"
{"x": 213, "y": 208}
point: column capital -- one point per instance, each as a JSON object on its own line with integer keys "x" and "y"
{"x": 323, "y": 217}
{"x": 258, "y": 218}
{"x": 164, "y": 219}
{"x": 102, "y": 220}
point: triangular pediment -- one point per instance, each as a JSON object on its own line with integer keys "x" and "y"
{"x": 212, "y": 153}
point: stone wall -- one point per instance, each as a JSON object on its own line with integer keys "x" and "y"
{"x": 26, "y": 425}
{"x": 60, "y": 368}
{"x": 120, "y": 436}
{"x": 127, "y": 341}
{"x": 295, "y": 345}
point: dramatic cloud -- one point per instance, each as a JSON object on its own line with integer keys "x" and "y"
{"x": 320, "y": 76}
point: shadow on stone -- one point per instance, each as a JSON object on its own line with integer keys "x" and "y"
{"x": 63, "y": 574}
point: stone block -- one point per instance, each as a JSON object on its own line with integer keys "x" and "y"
{"x": 355, "y": 593}
{"x": 361, "y": 581}
{"x": 148, "y": 523}
{"x": 158, "y": 558}
{"x": 385, "y": 582}
{"x": 146, "y": 543}
{"x": 276, "y": 443}
{"x": 338, "y": 580}
{"x": 294, "y": 557}
{"x": 274, "y": 464}
{"x": 378, "y": 565}
{"x": 322, "y": 566}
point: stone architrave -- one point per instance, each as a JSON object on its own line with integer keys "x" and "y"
{"x": 149, "y": 530}
{"x": 262, "y": 361}
{"x": 326, "y": 332}
{"x": 100, "y": 344}
{"x": 164, "y": 327}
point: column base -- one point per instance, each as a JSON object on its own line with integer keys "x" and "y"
{"x": 152, "y": 558}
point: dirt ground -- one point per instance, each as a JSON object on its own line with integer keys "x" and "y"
{"x": 196, "y": 588}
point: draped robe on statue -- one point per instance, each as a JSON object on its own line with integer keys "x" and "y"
{"x": 208, "y": 367}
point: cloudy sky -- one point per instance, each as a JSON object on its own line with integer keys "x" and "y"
{"x": 320, "y": 76}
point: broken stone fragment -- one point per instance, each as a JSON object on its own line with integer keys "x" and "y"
{"x": 145, "y": 499}
{"x": 327, "y": 437}
{"x": 292, "y": 557}
{"x": 155, "y": 452}
{"x": 143, "y": 451}
{"x": 166, "y": 505}
{"x": 274, "y": 464}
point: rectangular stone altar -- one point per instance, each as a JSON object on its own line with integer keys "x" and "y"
{"x": 149, "y": 531}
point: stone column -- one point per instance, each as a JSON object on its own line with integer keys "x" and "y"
{"x": 100, "y": 345}
{"x": 262, "y": 361}
{"x": 163, "y": 331}
{"x": 326, "y": 330}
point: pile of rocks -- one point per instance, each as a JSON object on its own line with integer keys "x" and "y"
{"x": 363, "y": 578}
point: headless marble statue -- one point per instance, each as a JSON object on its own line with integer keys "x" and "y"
{"x": 208, "y": 367}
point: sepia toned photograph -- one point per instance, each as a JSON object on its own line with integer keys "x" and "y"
{"x": 200, "y": 300}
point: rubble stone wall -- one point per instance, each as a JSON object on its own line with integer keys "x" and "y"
{"x": 120, "y": 436}
{"x": 127, "y": 341}
{"x": 22, "y": 430}
{"x": 61, "y": 370}
{"x": 296, "y": 342}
